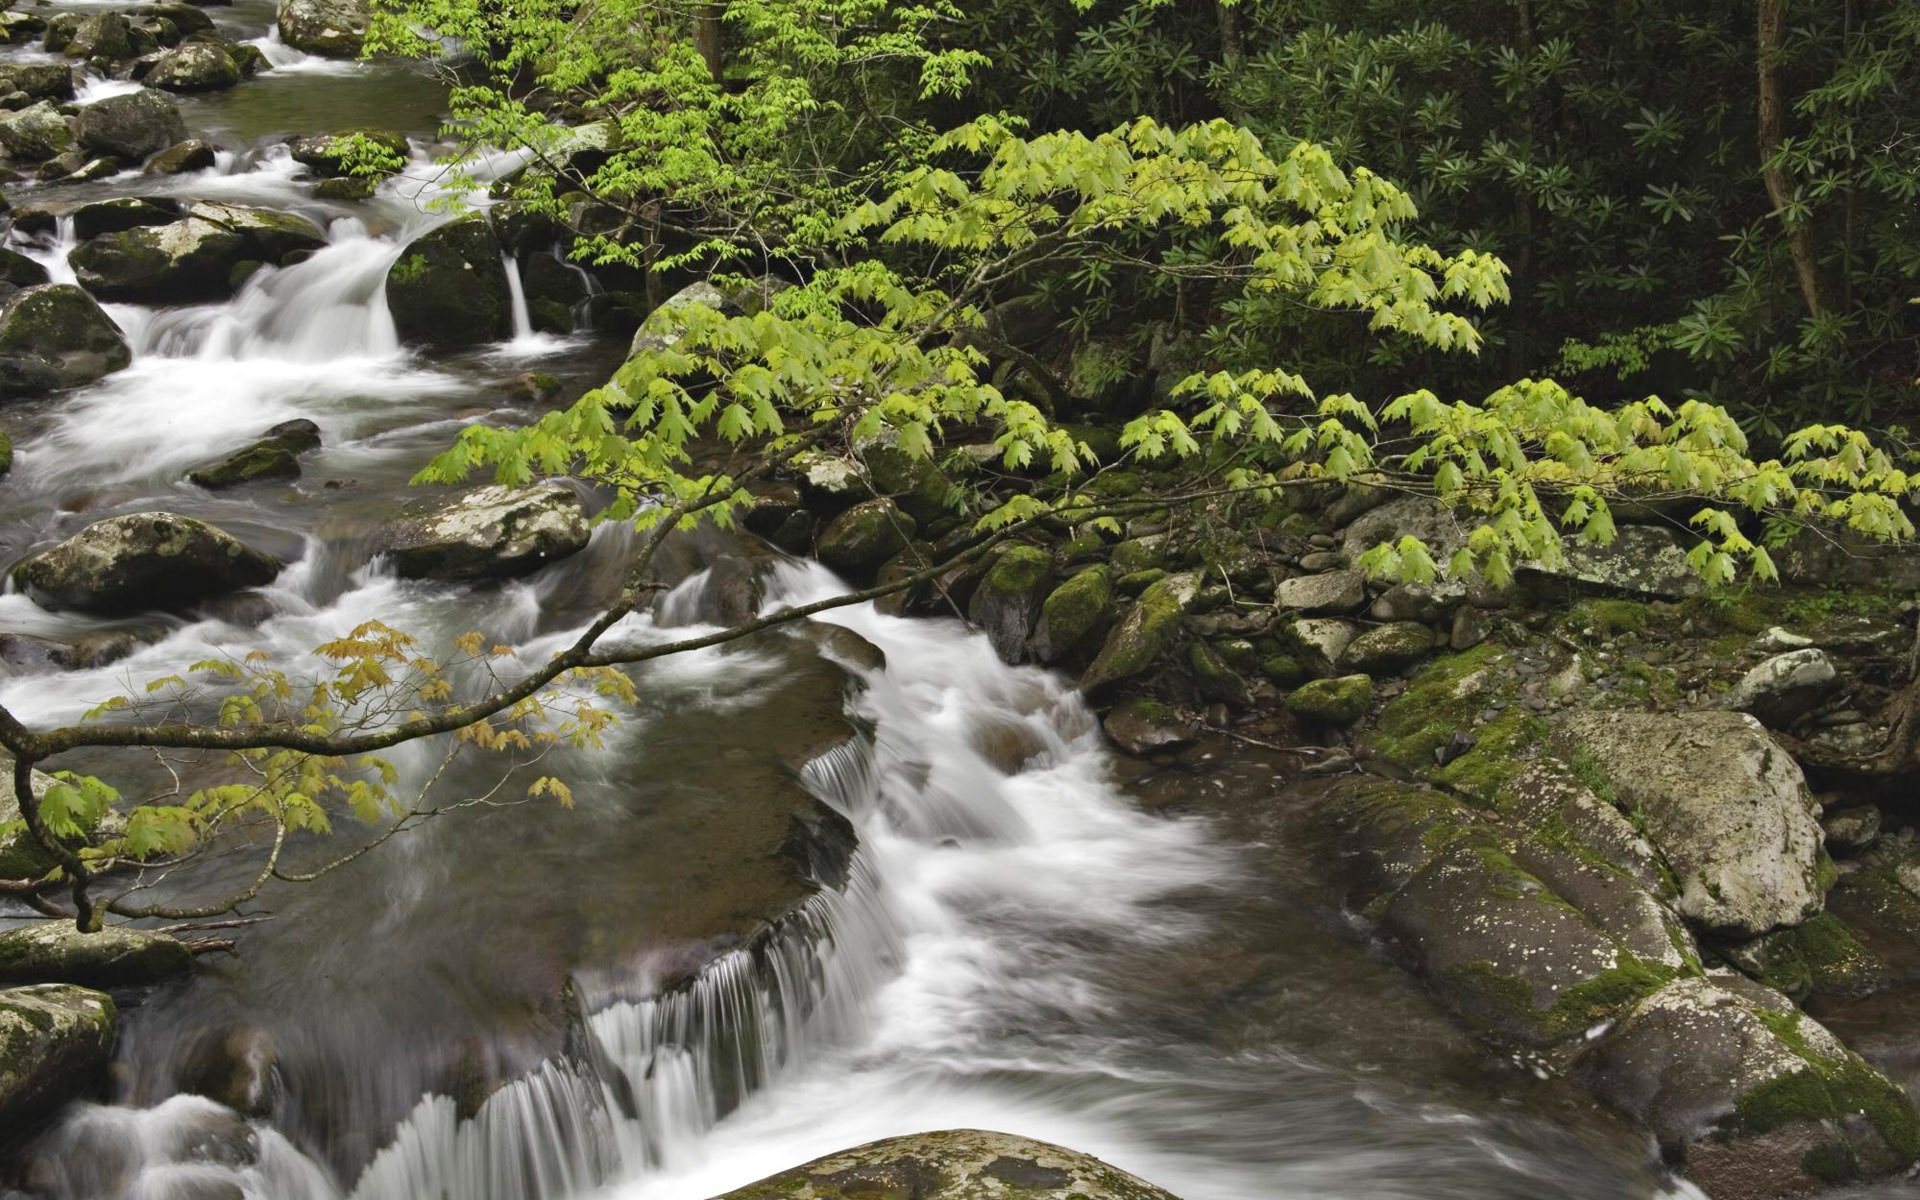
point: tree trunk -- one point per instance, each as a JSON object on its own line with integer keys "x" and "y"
{"x": 707, "y": 38}
{"x": 1773, "y": 19}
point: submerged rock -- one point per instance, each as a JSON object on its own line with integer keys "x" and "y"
{"x": 143, "y": 561}
{"x": 1728, "y": 808}
{"x": 55, "y": 1043}
{"x": 274, "y": 456}
{"x": 491, "y": 532}
{"x": 960, "y": 1164}
{"x": 334, "y": 28}
{"x": 449, "y": 288}
{"x": 131, "y": 126}
{"x": 55, "y": 336}
{"x": 1142, "y": 726}
{"x": 117, "y": 956}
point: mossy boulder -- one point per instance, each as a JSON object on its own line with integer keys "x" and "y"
{"x": 275, "y": 456}
{"x": 493, "y": 532}
{"x": 859, "y": 540}
{"x": 106, "y": 38}
{"x": 1388, "y": 648}
{"x": 141, "y": 562}
{"x": 40, "y": 80}
{"x": 194, "y": 258}
{"x": 1757, "y": 1099}
{"x": 130, "y": 127}
{"x": 55, "y": 335}
{"x": 1340, "y": 701}
{"x": 193, "y": 154}
{"x": 1142, "y": 554}
{"x": 55, "y": 1043}
{"x": 448, "y": 288}
{"x": 1320, "y": 643}
{"x": 1075, "y": 615}
{"x": 199, "y": 66}
{"x": 332, "y": 28}
{"x": 1819, "y": 957}
{"x": 1213, "y": 678}
{"x": 122, "y": 212}
{"x": 1144, "y": 634}
{"x": 1727, "y": 806}
{"x": 1428, "y": 726}
{"x": 961, "y": 1164}
{"x": 1008, "y": 601}
{"x": 114, "y": 957}
{"x": 1143, "y": 726}
{"x": 917, "y": 484}
{"x": 36, "y": 133}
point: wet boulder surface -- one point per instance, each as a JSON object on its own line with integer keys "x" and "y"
{"x": 961, "y": 1164}
{"x": 143, "y": 561}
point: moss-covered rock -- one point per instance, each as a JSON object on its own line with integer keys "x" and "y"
{"x": 1819, "y": 957}
{"x": 333, "y": 28}
{"x": 117, "y": 956}
{"x": 1340, "y": 701}
{"x": 36, "y": 133}
{"x": 1139, "y": 581}
{"x": 199, "y": 66}
{"x": 20, "y": 856}
{"x": 143, "y": 561}
{"x": 1075, "y": 616}
{"x": 917, "y": 484}
{"x": 130, "y": 127}
{"x": 965, "y": 1164}
{"x": 1320, "y": 643}
{"x": 1142, "y": 554}
{"x": 1142, "y": 726}
{"x": 449, "y": 289}
{"x": 1213, "y": 679}
{"x": 1388, "y": 648}
{"x": 1147, "y": 631}
{"x": 859, "y": 540}
{"x": 1008, "y": 600}
{"x": 274, "y": 456}
{"x": 1427, "y": 723}
{"x": 493, "y": 532}
{"x": 55, "y": 336}
{"x": 1756, "y": 1098}
{"x": 55, "y": 1043}
{"x": 1728, "y": 808}
{"x": 331, "y": 155}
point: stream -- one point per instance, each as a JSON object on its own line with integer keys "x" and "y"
{"x": 1030, "y": 936}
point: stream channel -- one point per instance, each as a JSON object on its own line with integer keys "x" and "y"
{"x": 1031, "y": 934}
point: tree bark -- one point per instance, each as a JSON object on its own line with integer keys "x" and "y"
{"x": 708, "y": 29}
{"x": 1773, "y": 20}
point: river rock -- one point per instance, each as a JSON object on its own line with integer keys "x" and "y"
{"x": 17, "y": 27}
{"x": 193, "y": 154}
{"x": 326, "y": 154}
{"x": 1725, "y": 805}
{"x": 114, "y": 957}
{"x": 1333, "y": 592}
{"x": 18, "y": 271}
{"x": 124, "y": 212}
{"x": 275, "y": 456}
{"x": 492, "y": 532}
{"x": 36, "y": 133}
{"x": 55, "y": 1043}
{"x": 106, "y": 38}
{"x": 143, "y": 561}
{"x": 1339, "y": 701}
{"x": 1643, "y": 560}
{"x": 657, "y": 332}
{"x": 40, "y": 80}
{"x": 859, "y": 540}
{"x": 1074, "y": 615}
{"x": 959, "y": 1164}
{"x": 1147, "y": 631}
{"x": 192, "y": 258}
{"x": 1388, "y": 648}
{"x": 1758, "y": 1099}
{"x": 55, "y": 336}
{"x": 1786, "y": 687}
{"x": 195, "y": 67}
{"x": 334, "y": 28}
{"x": 1142, "y": 726}
{"x": 1007, "y": 602}
{"x": 186, "y": 19}
{"x": 1320, "y": 643}
{"x": 132, "y": 126}
{"x": 449, "y": 288}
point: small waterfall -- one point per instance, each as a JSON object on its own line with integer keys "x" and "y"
{"x": 517, "y": 295}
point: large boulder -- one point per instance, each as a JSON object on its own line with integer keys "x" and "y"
{"x": 54, "y": 335}
{"x": 958, "y": 1164}
{"x": 190, "y": 259}
{"x": 492, "y": 532}
{"x": 1008, "y": 600}
{"x": 122, "y": 212}
{"x": 1147, "y": 631}
{"x": 55, "y": 1043}
{"x": 1786, "y": 687}
{"x": 334, "y": 28}
{"x": 1074, "y": 615}
{"x": 143, "y": 561}
{"x": 449, "y": 288}
{"x": 114, "y": 957}
{"x": 857, "y": 541}
{"x": 1758, "y": 1100}
{"x": 195, "y": 67}
{"x": 36, "y": 133}
{"x": 132, "y": 126}
{"x": 1727, "y": 807}
{"x": 106, "y": 38}
{"x": 40, "y": 80}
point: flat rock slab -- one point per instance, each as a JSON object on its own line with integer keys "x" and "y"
{"x": 957, "y": 1164}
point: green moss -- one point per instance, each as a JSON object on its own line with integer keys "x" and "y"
{"x": 1827, "y": 1089}
{"x": 1825, "y": 873}
{"x": 1440, "y": 701}
{"x": 1339, "y": 701}
{"x": 1283, "y": 669}
{"x": 1140, "y": 554}
{"x": 1832, "y": 1163}
{"x": 6, "y": 453}
{"x": 1213, "y": 678}
{"x": 408, "y": 269}
{"x": 1610, "y": 618}
{"x": 1146, "y": 633}
{"x": 1501, "y": 750}
{"x": 1022, "y": 569}
{"x": 1629, "y": 981}
{"x": 1077, "y": 610}
{"x": 1139, "y": 581}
